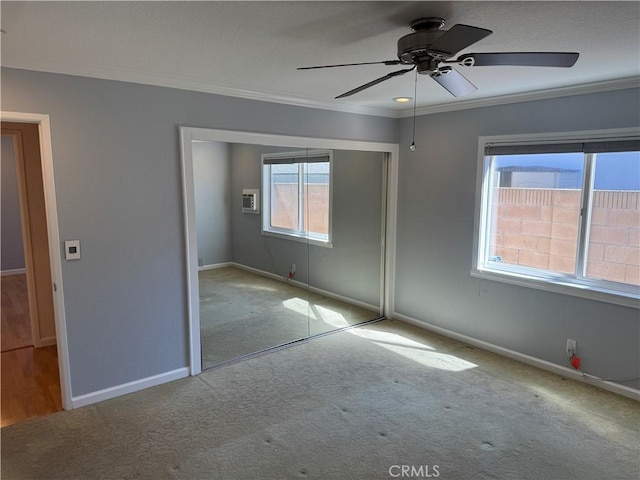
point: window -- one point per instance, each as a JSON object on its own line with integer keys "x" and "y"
{"x": 561, "y": 212}
{"x": 297, "y": 196}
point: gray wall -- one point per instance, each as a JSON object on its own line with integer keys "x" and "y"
{"x": 118, "y": 187}
{"x": 212, "y": 179}
{"x": 352, "y": 267}
{"x": 435, "y": 239}
{"x": 12, "y": 250}
{"x": 117, "y": 174}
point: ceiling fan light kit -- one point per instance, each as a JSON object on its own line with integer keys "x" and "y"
{"x": 429, "y": 49}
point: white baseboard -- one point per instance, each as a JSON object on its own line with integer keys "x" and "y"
{"x": 136, "y": 385}
{"x": 326, "y": 293}
{"x": 336, "y": 296}
{"x": 260, "y": 272}
{"x": 214, "y": 266}
{"x": 15, "y": 271}
{"x": 48, "y": 341}
{"x": 521, "y": 357}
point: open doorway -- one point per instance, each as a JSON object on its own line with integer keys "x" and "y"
{"x": 30, "y": 383}
{"x": 16, "y": 315}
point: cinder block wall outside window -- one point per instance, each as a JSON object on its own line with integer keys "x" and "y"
{"x": 539, "y": 228}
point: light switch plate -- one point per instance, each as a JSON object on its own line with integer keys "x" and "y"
{"x": 72, "y": 249}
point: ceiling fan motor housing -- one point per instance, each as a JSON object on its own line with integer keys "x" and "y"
{"x": 413, "y": 49}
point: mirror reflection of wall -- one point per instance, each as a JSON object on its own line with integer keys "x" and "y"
{"x": 261, "y": 289}
{"x": 212, "y": 176}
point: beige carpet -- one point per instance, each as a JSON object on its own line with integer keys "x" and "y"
{"x": 359, "y": 404}
{"x": 243, "y": 313}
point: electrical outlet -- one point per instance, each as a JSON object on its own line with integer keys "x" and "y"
{"x": 293, "y": 268}
{"x": 571, "y": 347}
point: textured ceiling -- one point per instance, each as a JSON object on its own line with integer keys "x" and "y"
{"x": 252, "y": 49}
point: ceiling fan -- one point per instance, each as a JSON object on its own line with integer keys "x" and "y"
{"x": 429, "y": 49}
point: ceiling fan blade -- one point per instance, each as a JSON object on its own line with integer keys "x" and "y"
{"x": 375, "y": 82}
{"x": 458, "y": 38}
{"x": 385, "y": 62}
{"x": 521, "y": 59}
{"x": 455, "y": 83}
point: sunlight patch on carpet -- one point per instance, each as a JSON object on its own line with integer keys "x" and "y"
{"x": 418, "y": 352}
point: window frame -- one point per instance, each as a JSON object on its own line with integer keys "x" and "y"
{"x": 289, "y": 234}
{"x": 576, "y": 284}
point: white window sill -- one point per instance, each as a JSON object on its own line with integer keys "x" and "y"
{"x": 558, "y": 286}
{"x": 298, "y": 238}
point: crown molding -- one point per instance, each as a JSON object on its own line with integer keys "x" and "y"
{"x": 583, "y": 89}
{"x": 184, "y": 83}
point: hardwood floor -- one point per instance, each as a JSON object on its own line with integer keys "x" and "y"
{"x": 30, "y": 382}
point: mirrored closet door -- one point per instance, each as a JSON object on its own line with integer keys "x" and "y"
{"x": 289, "y": 241}
{"x": 345, "y": 280}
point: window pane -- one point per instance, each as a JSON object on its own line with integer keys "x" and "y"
{"x": 535, "y": 211}
{"x": 614, "y": 237}
{"x": 316, "y": 198}
{"x": 284, "y": 196}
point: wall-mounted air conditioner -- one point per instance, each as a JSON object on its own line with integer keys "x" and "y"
{"x": 250, "y": 200}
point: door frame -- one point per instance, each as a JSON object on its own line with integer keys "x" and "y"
{"x": 189, "y": 134}
{"x": 53, "y": 235}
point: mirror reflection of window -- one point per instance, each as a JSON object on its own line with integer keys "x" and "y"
{"x": 284, "y": 198}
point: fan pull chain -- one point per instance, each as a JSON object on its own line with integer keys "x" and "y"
{"x": 415, "y": 101}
